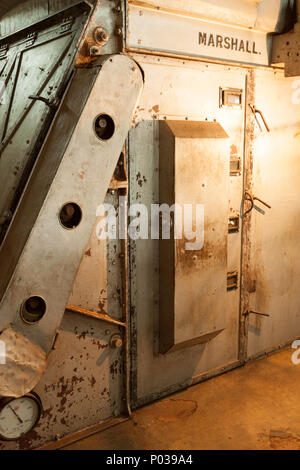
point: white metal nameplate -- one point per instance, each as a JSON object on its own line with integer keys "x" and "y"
{"x": 162, "y": 31}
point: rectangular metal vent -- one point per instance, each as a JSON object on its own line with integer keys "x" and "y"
{"x": 234, "y": 224}
{"x": 231, "y": 98}
{"x": 232, "y": 280}
{"x": 235, "y": 165}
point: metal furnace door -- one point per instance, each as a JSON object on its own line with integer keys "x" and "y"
{"x": 186, "y": 92}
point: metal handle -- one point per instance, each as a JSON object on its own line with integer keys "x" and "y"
{"x": 256, "y": 313}
{"x": 250, "y": 198}
{"x": 257, "y": 111}
{"x": 263, "y": 202}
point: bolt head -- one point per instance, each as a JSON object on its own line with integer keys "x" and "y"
{"x": 116, "y": 342}
{"x": 100, "y": 35}
{"x": 94, "y": 50}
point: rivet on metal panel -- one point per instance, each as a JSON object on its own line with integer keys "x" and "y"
{"x": 95, "y": 50}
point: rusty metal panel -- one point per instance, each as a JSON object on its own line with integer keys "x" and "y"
{"x": 274, "y": 235}
{"x": 194, "y": 162}
{"x": 83, "y": 384}
{"x": 177, "y": 89}
{"x": 59, "y": 249}
{"x": 100, "y": 282}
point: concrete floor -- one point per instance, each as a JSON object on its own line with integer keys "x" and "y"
{"x": 254, "y": 407}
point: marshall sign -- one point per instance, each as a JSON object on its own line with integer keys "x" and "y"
{"x": 162, "y": 31}
{"x": 234, "y": 44}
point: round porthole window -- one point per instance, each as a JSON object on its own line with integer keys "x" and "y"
{"x": 70, "y": 215}
{"x": 104, "y": 127}
{"x": 33, "y": 309}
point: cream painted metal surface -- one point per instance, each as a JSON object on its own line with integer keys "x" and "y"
{"x": 274, "y": 250}
{"x": 156, "y": 30}
{"x": 177, "y": 89}
{"x": 265, "y": 15}
{"x": 194, "y": 162}
{"x": 87, "y": 156}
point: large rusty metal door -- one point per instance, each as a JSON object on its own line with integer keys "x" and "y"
{"x": 271, "y": 263}
{"x": 185, "y": 304}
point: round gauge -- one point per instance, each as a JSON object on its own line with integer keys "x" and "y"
{"x": 18, "y": 416}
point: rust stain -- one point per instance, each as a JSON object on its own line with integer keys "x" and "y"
{"x": 282, "y": 440}
{"x": 28, "y": 441}
{"x": 114, "y": 368}
{"x": 47, "y": 414}
{"x": 140, "y": 179}
{"x": 233, "y": 150}
{"x": 98, "y": 343}
{"x": 92, "y": 381}
{"x": 194, "y": 260}
{"x": 82, "y": 335}
{"x": 101, "y": 305}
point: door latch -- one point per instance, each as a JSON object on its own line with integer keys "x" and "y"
{"x": 248, "y": 312}
{"x": 249, "y": 197}
{"x": 257, "y": 113}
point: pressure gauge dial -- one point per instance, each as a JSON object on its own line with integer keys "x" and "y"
{"x": 18, "y": 416}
